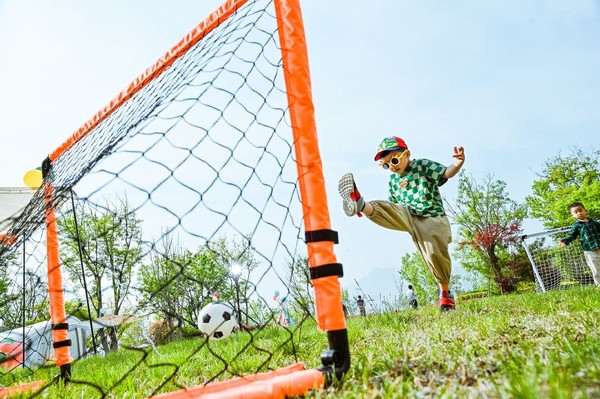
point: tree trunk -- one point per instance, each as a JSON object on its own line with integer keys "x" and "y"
{"x": 494, "y": 262}
{"x": 104, "y": 340}
{"x": 114, "y": 339}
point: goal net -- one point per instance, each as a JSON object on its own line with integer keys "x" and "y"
{"x": 556, "y": 267}
{"x": 181, "y": 237}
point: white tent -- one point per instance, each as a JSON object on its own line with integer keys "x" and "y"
{"x": 12, "y": 202}
{"x": 37, "y": 342}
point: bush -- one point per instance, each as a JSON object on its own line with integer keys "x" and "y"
{"x": 160, "y": 332}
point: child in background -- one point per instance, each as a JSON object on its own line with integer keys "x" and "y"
{"x": 589, "y": 232}
{"x": 411, "y": 297}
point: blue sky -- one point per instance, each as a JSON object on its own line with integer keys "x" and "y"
{"x": 514, "y": 82}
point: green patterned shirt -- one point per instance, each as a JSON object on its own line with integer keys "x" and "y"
{"x": 417, "y": 187}
{"x": 589, "y": 232}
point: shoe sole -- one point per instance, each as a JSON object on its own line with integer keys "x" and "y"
{"x": 345, "y": 188}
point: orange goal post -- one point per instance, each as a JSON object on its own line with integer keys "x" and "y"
{"x": 209, "y": 158}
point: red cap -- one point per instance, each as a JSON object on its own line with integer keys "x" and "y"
{"x": 389, "y": 144}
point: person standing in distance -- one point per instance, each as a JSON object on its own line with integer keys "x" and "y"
{"x": 361, "y": 306}
{"x": 411, "y": 297}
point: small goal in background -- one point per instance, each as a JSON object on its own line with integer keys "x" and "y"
{"x": 556, "y": 267}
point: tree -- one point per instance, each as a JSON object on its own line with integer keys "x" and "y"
{"x": 6, "y": 259}
{"x": 177, "y": 283}
{"x": 108, "y": 241}
{"x": 564, "y": 180}
{"x": 36, "y": 302}
{"x": 489, "y": 222}
{"x": 16, "y": 310}
{"x": 300, "y": 286}
{"x": 351, "y": 307}
{"x": 100, "y": 247}
{"x": 415, "y": 272}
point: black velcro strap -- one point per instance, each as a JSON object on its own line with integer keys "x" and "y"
{"x": 60, "y": 326}
{"x": 321, "y": 235}
{"x": 331, "y": 269}
{"x": 46, "y": 165}
{"x": 60, "y": 344}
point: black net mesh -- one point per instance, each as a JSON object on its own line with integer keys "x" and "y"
{"x": 183, "y": 199}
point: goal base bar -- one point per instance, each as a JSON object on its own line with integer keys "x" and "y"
{"x": 21, "y": 389}
{"x": 285, "y": 382}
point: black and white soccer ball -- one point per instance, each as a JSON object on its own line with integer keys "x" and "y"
{"x": 217, "y": 320}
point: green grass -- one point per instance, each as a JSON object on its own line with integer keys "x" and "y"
{"x": 515, "y": 346}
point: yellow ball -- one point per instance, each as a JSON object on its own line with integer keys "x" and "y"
{"x": 33, "y": 178}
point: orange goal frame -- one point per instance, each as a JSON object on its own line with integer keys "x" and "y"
{"x": 320, "y": 238}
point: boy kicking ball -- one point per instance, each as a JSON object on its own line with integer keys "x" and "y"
{"x": 414, "y": 205}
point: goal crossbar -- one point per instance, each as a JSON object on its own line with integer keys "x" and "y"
{"x": 324, "y": 270}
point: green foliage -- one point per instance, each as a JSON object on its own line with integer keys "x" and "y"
{"x": 489, "y": 223}
{"x": 564, "y": 180}
{"x": 177, "y": 283}
{"x": 414, "y": 271}
{"x": 108, "y": 241}
{"x": 300, "y": 288}
{"x": 12, "y": 312}
{"x": 350, "y": 303}
{"x": 77, "y": 308}
{"x": 6, "y": 259}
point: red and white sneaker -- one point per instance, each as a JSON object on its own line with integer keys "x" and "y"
{"x": 446, "y": 301}
{"x": 353, "y": 202}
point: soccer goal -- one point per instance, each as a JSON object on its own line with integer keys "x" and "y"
{"x": 556, "y": 267}
{"x": 181, "y": 237}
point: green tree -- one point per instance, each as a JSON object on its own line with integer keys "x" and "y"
{"x": 489, "y": 223}
{"x": 7, "y": 258}
{"x": 35, "y": 301}
{"x": 177, "y": 283}
{"x": 300, "y": 287}
{"x": 564, "y": 180}
{"x": 350, "y": 304}
{"x": 414, "y": 271}
{"x": 108, "y": 241}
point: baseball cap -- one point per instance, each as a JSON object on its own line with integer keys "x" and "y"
{"x": 389, "y": 144}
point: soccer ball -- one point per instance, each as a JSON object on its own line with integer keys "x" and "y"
{"x": 217, "y": 320}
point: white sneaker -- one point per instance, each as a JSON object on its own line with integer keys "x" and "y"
{"x": 353, "y": 202}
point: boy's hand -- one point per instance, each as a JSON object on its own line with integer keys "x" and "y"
{"x": 452, "y": 170}
{"x": 459, "y": 154}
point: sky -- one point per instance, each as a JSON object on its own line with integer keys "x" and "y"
{"x": 513, "y": 82}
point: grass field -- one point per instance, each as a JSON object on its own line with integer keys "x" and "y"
{"x": 514, "y": 346}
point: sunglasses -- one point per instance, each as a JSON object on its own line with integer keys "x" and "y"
{"x": 395, "y": 161}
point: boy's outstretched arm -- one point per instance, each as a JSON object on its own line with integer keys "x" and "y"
{"x": 452, "y": 170}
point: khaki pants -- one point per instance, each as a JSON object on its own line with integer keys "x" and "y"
{"x": 593, "y": 261}
{"x": 431, "y": 235}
